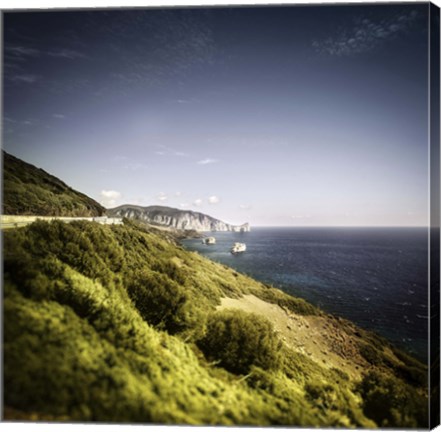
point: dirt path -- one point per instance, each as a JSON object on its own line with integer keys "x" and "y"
{"x": 319, "y": 337}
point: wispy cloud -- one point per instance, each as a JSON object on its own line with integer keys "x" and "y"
{"x": 109, "y": 198}
{"x": 25, "y": 122}
{"x": 66, "y": 53}
{"x": 162, "y": 197}
{"x": 120, "y": 158}
{"x": 20, "y": 60}
{"x": 130, "y": 164}
{"x": 65, "y": 85}
{"x": 213, "y": 199}
{"x": 197, "y": 202}
{"x": 177, "y": 43}
{"x": 186, "y": 101}
{"x": 301, "y": 217}
{"x": 21, "y": 51}
{"x": 364, "y": 35}
{"x": 244, "y": 206}
{"x": 25, "y": 78}
{"x": 129, "y": 78}
{"x": 167, "y": 151}
{"x": 59, "y": 116}
{"x": 13, "y": 124}
{"x": 135, "y": 166}
{"x": 207, "y": 161}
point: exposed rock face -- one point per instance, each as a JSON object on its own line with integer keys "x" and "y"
{"x": 179, "y": 219}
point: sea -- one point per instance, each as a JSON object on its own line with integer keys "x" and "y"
{"x": 375, "y": 277}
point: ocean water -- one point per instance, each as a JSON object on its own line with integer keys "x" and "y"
{"x": 375, "y": 277}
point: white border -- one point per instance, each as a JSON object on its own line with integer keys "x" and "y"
{"x": 43, "y": 4}
{"x": 6, "y": 5}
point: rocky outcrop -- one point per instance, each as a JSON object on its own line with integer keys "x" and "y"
{"x": 175, "y": 218}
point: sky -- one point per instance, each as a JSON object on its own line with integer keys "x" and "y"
{"x": 276, "y": 116}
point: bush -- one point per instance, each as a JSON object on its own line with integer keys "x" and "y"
{"x": 159, "y": 300}
{"x": 337, "y": 402}
{"x": 170, "y": 269}
{"x": 392, "y": 403}
{"x": 411, "y": 370}
{"x": 293, "y": 304}
{"x": 370, "y": 354}
{"x": 322, "y": 395}
{"x": 239, "y": 340}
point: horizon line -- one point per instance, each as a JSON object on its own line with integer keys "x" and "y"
{"x": 343, "y": 226}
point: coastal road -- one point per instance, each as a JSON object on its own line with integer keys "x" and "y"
{"x": 12, "y": 221}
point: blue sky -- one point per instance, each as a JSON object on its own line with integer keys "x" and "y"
{"x": 305, "y": 115}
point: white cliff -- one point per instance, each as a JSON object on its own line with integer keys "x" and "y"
{"x": 175, "y": 218}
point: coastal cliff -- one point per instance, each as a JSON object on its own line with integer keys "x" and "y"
{"x": 175, "y": 218}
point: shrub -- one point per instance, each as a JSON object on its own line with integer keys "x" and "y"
{"x": 239, "y": 340}
{"x": 337, "y": 402}
{"x": 262, "y": 380}
{"x": 159, "y": 300}
{"x": 322, "y": 395}
{"x": 171, "y": 270}
{"x": 371, "y": 354}
{"x": 296, "y": 305}
{"x": 392, "y": 403}
{"x": 411, "y": 370}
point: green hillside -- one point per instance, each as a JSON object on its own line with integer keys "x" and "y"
{"x": 121, "y": 324}
{"x": 28, "y": 190}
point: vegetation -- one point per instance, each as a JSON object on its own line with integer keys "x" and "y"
{"x": 296, "y": 305}
{"x": 391, "y": 402}
{"x": 28, "y": 190}
{"x": 119, "y": 324}
{"x": 240, "y": 340}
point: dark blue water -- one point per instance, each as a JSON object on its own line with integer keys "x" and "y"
{"x": 375, "y": 277}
